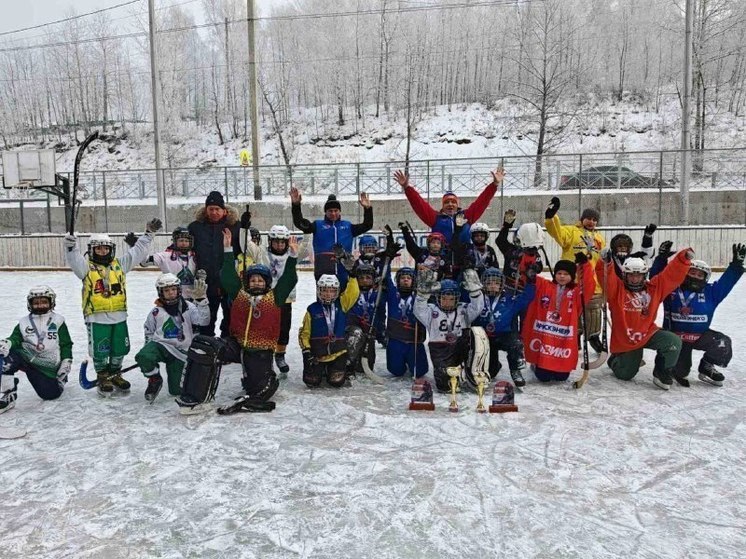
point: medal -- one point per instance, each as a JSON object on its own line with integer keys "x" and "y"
{"x": 553, "y": 316}
{"x": 450, "y": 337}
{"x": 40, "y": 347}
{"x": 685, "y": 311}
{"x": 257, "y": 313}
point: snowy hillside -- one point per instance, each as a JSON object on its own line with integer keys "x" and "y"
{"x": 600, "y": 125}
{"x": 613, "y": 470}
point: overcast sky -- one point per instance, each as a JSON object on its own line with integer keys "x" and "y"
{"x": 17, "y": 14}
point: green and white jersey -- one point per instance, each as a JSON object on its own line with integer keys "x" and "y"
{"x": 43, "y": 341}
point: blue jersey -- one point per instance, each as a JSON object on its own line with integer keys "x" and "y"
{"x": 363, "y": 311}
{"x": 498, "y": 312}
{"x": 401, "y": 320}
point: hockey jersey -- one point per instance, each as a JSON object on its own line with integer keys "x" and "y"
{"x": 363, "y": 311}
{"x": 498, "y": 311}
{"x": 401, "y": 321}
{"x": 183, "y": 266}
{"x": 43, "y": 341}
{"x": 176, "y": 331}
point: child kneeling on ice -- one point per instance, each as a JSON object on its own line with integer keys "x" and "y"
{"x": 40, "y": 345}
{"x": 549, "y": 331}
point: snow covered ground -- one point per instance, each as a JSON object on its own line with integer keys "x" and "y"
{"x": 613, "y": 470}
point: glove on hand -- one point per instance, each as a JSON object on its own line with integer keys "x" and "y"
{"x": 64, "y": 370}
{"x": 70, "y": 242}
{"x": 200, "y": 274}
{"x": 460, "y": 219}
{"x": 344, "y": 258}
{"x": 650, "y": 229}
{"x": 605, "y": 254}
{"x": 532, "y": 271}
{"x": 200, "y": 289}
{"x": 739, "y": 254}
{"x": 552, "y": 208}
{"x": 581, "y": 258}
{"x": 153, "y": 225}
{"x": 246, "y": 220}
{"x": 5, "y": 347}
{"x": 427, "y": 281}
{"x": 689, "y": 255}
{"x": 308, "y": 359}
{"x": 471, "y": 282}
{"x": 664, "y": 250}
{"x": 131, "y": 239}
{"x": 509, "y": 217}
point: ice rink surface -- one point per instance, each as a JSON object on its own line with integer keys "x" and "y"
{"x": 613, "y": 470}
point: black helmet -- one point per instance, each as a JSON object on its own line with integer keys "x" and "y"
{"x": 182, "y": 233}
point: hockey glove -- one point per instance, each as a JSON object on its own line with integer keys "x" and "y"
{"x": 5, "y": 346}
{"x": 392, "y": 248}
{"x": 200, "y": 275}
{"x": 64, "y": 370}
{"x": 647, "y": 237}
{"x": 471, "y": 282}
{"x": 427, "y": 282}
{"x": 200, "y": 289}
{"x": 154, "y": 225}
{"x": 309, "y": 360}
{"x": 689, "y": 255}
{"x": 605, "y": 254}
{"x": 131, "y": 239}
{"x": 509, "y": 216}
{"x": 344, "y": 257}
{"x": 739, "y": 254}
{"x": 246, "y": 220}
{"x": 532, "y": 271}
{"x": 650, "y": 229}
{"x": 664, "y": 251}
{"x": 70, "y": 242}
{"x": 552, "y": 208}
{"x": 581, "y": 258}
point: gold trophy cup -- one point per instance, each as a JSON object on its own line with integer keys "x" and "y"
{"x": 454, "y": 373}
{"x": 483, "y": 380}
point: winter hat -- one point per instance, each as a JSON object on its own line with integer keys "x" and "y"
{"x": 332, "y": 203}
{"x": 566, "y": 266}
{"x": 215, "y": 199}
{"x": 450, "y": 194}
{"x": 590, "y": 213}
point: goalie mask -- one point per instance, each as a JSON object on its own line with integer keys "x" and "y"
{"x": 404, "y": 280}
{"x": 635, "y": 271}
{"x": 368, "y": 245}
{"x": 366, "y": 276}
{"x": 168, "y": 287}
{"x": 257, "y": 279}
{"x": 182, "y": 240}
{"x": 279, "y": 237}
{"x": 697, "y": 276}
{"x": 492, "y": 281}
{"x": 101, "y": 249}
{"x": 35, "y": 300}
{"x": 479, "y": 234}
{"x": 529, "y": 235}
{"x": 448, "y": 295}
{"x": 327, "y": 289}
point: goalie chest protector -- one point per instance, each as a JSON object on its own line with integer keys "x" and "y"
{"x": 255, "y": 326}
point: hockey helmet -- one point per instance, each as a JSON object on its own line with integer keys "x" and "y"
{"x": 327, "y": 288}
{"x": 638, "y": 267}
{"x": 435, "y": 236}
{"x": 621, "y": 245}
{"x": 699, "y": 281}
{"x": 406, "y": 271}
{"x": 256, "y": 236}
{"x": 448, "y": 295}
{"x": 38, "y": 292}
{"x": 182, "y": 233}
{"x": 367, "y": 244}
{"x": 164, "y": 281}
{"x": 257, "y": 270}
{"x": 479, "y": 232}
{"x": 101, "y": 240}
{"x": 530, "y": 235}
{"x": 366, "y": 276}
{"x": 279, "y": 235}
{"x": 492, "y": 280}
{"x": 279, "y": 232}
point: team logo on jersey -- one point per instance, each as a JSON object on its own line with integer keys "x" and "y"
{"x": 104, "y": 346}
{"x": 155, "y": 312}
{"x": 637, "y": 302}
{"x": 52, "y": 327}
{"x": 29, "y": 330}
{"x": 435, "y": 314}
{"x": 553, "y": 329}
{"x": 569, "y": 295}
{"x": 545, "y": 301}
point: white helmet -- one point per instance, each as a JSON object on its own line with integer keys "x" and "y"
{"x": 324, "y": 282}
{"x": 703, "y": 266}
{"x": 40, "y": 291}
{"x": 101, "y": 240}
{"x": 480, "y": 228}
{"x": 279, "y": 232}
{"x": 164, "y": 281}
{"x": 634, "y": 266}
{"x": 531, "y": 235}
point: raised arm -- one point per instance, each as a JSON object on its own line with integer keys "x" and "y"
{"x": 299, "y": 221}
{"x": 367, "y": 224}
{"x": 421, "y": 208}
{"x": 478, "y": 206}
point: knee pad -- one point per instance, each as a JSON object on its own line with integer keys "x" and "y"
{"x": 336, "y": 378}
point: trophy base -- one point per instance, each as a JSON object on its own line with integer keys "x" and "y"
{"x": 421, "y": 406}
{"x": 482, "y": 410}
{"x": 453, "y": 409}
{"x": 503, "y": 408}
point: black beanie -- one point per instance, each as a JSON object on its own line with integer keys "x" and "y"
{"x": 590, "y": 213}
{"x": 332, "y": 203}
{"x": 567, "y": 266}
{"x": 215, "y": 199}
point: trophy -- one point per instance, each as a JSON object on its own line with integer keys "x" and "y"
{"x": 483, "y": 380}
{"x": 503, "y": 398}
{"x": 422, "y": 395}
{"x": 454, "y": 373}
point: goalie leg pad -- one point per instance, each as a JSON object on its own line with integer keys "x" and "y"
{"x": 478, "y": 354}
{"x": 202, "y": 369}
{"x": 259, "y": 379}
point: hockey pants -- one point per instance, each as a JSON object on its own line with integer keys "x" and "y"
{"x": 108, "y": 344}
{"x": 402, "y": 357}
{"x": 47, "y": 388}
{"x": 716, "y": 345}
{"x": 667, "y": 345}
{"x": 259, "y": 379}
{"x": 511, "y": 344}
{"x": 153, "y": 353}
{"x": 545, "y": 375}
{"x": 333, "y": 370}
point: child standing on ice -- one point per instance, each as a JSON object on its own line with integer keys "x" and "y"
{"x": 40, "y": 345}
{"x": 105, "y": 300}
{"x": 549, "y": 330}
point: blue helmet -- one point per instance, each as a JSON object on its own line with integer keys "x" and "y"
{"x": 490, "y": 275}
{"x": 405, "y": 271}
{"x": 261, "y": 270}
{"x": 367, "y": 242}
{"x": 448, "y": 288}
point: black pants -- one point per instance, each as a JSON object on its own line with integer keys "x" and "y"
{"x": 444, "y": 355}
{"x": 333, "y": 371}
{"x": 216, "y": 301}
{"x": 259, "y": 379}
{"x": 716, "y": 345}
{"x": 47, "y": 388}
{"x": 510, "y": 343}
{"x": 286, "y": 318}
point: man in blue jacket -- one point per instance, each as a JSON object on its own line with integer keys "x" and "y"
{"x": 689, "y": 310}
{"x": 330, "y": 231}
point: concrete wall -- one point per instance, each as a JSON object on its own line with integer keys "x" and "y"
{"x": 621, "y": 209}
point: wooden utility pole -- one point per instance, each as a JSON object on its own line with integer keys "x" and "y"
{"x": 686, "y": 113}
{"x": 253, "y": 100}
{"x": 156, "y": 91}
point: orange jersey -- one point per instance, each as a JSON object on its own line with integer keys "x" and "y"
{"x": 633, "y": 313}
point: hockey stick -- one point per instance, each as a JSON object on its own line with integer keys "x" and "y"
{"x": 245, "y": 246}
{"x": 88, "y": 384}
{"x": 600, "y": 360}
{"x": 369, "y": 351}
{"x": 72, "y": 201}
{"x": 549, "y": 264}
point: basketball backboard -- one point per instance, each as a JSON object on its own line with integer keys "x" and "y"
{"x": 28, "y": 169}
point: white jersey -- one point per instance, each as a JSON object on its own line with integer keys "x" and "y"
{"x": 445, "y": 327}
{"x": 180, "y": 265}
{"x": 40, "y": 339}
{"x": 277, "y": 268}
{"x": 175, "y": 333}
